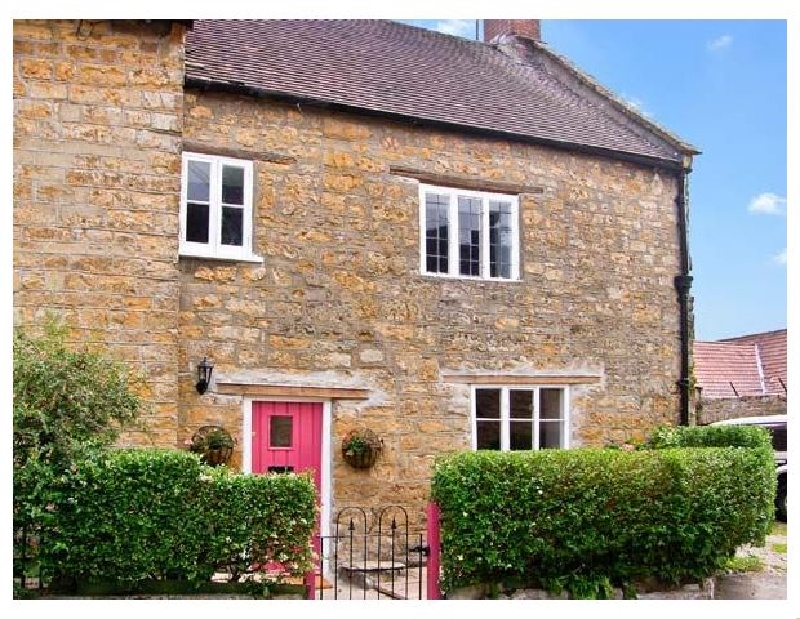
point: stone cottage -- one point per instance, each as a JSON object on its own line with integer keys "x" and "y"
{"x": 362, "y": 224}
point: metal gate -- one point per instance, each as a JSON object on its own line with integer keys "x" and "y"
{"x": 372, "y": 555}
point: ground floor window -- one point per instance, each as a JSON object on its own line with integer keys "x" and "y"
{"x": 520, "y": 418}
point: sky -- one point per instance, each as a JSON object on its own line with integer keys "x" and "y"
{"x": 721, "y": 86}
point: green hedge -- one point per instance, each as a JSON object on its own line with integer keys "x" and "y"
{"x": 587, "y": 519}
{"x": 142, "y": 514}
{"x": 710, "y": 436}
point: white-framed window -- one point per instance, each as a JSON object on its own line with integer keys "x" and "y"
{"x": 468, "y": 234}
{"x": 216, "y": 208}
{"x": 520, "y": 417}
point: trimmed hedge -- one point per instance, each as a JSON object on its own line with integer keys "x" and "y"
{"x": 710, "y": 436}
{"x": 142, "y": 514}
{"x": 589, "y": 519}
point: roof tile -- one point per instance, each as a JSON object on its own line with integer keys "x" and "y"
{"x": 393, "y": 68}
{"x": 741, "y": 361}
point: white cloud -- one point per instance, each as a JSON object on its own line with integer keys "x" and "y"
{"x": 768, "y": 203}
{"x": 457, "y": 27}
{"x": 780, "y": 258}
{"x": 720, "y": 43}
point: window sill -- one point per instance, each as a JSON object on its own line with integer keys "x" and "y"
{"x": 241, "y": 258}
{"x": 469, "y": 278}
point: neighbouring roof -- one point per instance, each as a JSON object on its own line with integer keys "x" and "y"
{"x": 772, "y": 353}
{"x": 753, "y": 364}
{"x": 390, "y": 68}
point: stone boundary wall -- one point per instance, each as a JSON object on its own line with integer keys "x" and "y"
{"x": 710, "y": 410}
{"x": 691, "y": 591}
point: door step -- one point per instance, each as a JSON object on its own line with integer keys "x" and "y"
{"x": 374, "y": 576}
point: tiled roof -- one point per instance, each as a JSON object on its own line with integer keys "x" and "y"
{"x": 742, "y": 361}
{"x": 717, "y": 366}
{"x": 772, "y": 353}
{"x": 391, "y": 68}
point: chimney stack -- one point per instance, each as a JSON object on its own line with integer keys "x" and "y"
{"x": 495, "y": 28}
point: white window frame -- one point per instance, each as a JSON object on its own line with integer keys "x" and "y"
{"x": 505, "y": 414}
{"x": 214, "y": 248}
{"x": 453, "y": 232}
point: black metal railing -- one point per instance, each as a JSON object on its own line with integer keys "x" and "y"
{"x": 371, "y": 556}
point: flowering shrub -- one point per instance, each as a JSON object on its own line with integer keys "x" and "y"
{"x": 589, "y": 519}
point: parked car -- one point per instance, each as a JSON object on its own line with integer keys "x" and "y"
{"x": 776, "y": 425}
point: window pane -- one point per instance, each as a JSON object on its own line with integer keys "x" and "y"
{"x": 232, "y": 185}
{"x": 487, "y": 404}
{"x": 469, "y": 236}
{"x": 521, "y": 435}
{"x": 550, "y": 434}
{"x": 197, "y": 223}
{"x": 521, "y": 404}
{"x": 436, "y": 233}
{"x": 500, "y": 239}
{"x": 280, "y": 431}
{"x": 199, "y": 172}
{"x": 488, "y": 434}
{"x": 232, "y": 226}
{"x": 550, "y": 403}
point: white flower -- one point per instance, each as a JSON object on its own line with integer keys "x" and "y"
{"x": 540, "y": 492}
{"x": 460, "y": 557}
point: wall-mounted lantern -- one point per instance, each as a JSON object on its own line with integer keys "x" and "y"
{"x": 204, "y": 370}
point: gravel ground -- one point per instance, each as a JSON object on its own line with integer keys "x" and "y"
{"x": 774, "y": 560}
{"x": 769, "y": 583}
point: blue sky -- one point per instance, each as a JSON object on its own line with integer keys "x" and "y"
{"x": 720, "y": 85}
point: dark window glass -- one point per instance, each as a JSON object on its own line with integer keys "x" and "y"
{"x": 280, "y": 431}
{"x": 500, "y": 239}
{"x": 197, "y": 223}
{"x": 521, "y": 404}
{"x": 521, "y": 435}
{"x": 436, "y": 233}
{"x": 550, "y": 403}
{"x": 487, "y": 404}
{"x": 488, "y": 434}
{"x": 549, "y": 434}
{"x": 232, "y": 226}
{"x": 469, "y": 236}
{"x": 199, "y": 172}
{"x": 233, "y": 185}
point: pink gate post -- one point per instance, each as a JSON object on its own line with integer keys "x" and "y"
{"x": 311, "y": 585}
{"x": 434, "y": 559}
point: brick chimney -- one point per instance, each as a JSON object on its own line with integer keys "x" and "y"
{"x": 494, "y": 28}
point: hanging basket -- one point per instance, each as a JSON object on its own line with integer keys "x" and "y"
{"x": 361, "y": 448}
{"x": 214, "y": 444}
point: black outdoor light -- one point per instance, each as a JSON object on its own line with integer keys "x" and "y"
{"x": 204, "y": 370}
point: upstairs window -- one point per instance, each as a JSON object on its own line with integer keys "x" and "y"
{"x": 216, "y": 208}
{"x": 469, "y": 234}
{"x": 520, "y": 418}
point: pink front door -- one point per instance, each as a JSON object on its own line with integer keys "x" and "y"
{"x": 287, "y": 437}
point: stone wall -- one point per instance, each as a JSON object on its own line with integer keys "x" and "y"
{"x": 710, "y": 410}
{"x": 693, "y": 591}
{"x": 339, "y": 299}
{"x": 97, "y": 136}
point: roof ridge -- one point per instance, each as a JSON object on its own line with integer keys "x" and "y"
{"x": 758, "y": 334}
